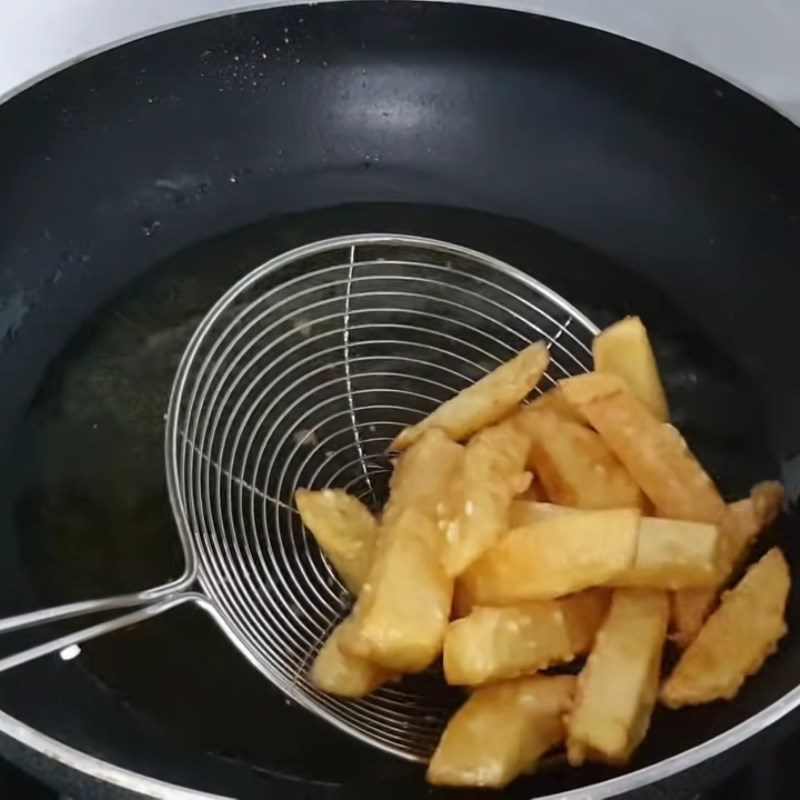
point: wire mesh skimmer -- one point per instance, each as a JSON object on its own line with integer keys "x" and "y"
{"x": 300, "y": 376}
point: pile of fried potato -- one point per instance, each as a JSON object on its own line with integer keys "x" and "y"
{"x": 521, "y": 536}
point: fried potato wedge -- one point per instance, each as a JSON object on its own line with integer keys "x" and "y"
{"x": 574, "y": 465}
{"x": 736, "y": 639}
{"x": 493, "y": 644}
{"x": 528, "y": 512}
{"x": 502, "y": 731}
{"x": 690, "y": 609}
{"x": 745, "y": 519}
{"x": 624, "y": 349}
{"x": 670, "y": 554}
{"x": 493, "y": 473}
{"x": 618, "y": 686}
{"x": 554, "y": 557}
{"x": 423, "y": 476}
{"x": 485, "y": 402}
{"x": 673, "y": 554}
{"x": 401, "y": 615}
{"x": 344, "y": 529}
{"x": 654, "y": 453}
{"x": 336, "y": 672}
{"x": 582, "y": 389}
{"x": 741, "y": 524}
{"x": 554, "y": 400}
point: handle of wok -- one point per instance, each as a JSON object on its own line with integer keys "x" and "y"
{"x": 153, "y": 608}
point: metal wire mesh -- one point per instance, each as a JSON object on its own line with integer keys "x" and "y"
{"x": 300, "y": 376}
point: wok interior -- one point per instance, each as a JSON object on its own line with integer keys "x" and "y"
{"x": 612, "y": 197}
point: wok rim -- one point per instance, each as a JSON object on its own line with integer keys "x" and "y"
{"x": 162, "y": 790}
{"x": 125, "y": 779}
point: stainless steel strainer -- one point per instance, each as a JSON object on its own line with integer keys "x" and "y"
{"x": 300, "y": 376}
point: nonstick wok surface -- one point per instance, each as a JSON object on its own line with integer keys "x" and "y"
{"x": 139, "y": 185}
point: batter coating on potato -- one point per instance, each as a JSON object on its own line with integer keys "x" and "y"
{"x": 618, "y": 686}
{"x": 624, "y": 349}
{"x": 574, "y": 465}
{"x": 742, "y": 523}
{"x": 492, "y": 644}
{"x": 554, "y": 557}
{"x": 736, "y": 639}
{"x": 502, "y": 731}
{"x": 401, "y": 615}
{"x": 344, "y": 529}
{"x": 493, "y": 472}
{"x": 485, "y": 402}
{"x": 336, "y": 672}
{"x": 654, "y": 453}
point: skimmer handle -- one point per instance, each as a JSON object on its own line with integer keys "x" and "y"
{"x": 154, "y": 603}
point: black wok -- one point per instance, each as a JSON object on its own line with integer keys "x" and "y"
{"x": 138, "y": 185}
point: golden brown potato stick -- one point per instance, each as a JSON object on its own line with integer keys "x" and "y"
{"x": 552, "y": 558}
{"x": 735, "y": 640}
{"x": 742, "y": 522}
{"x": 485, "y": 402}
{"x": 492, "y": 473}
{"x": 582, "y": 389}
{"x": 553, "y": 400}
{"x": 574, "y": 465}
{"x": 493, "y": 644}
{"x": 344, "y": 529}
{"x": 673, "y": 554}
{"x": 767, "y": 497}
{"x": 424, "y": 475}
{"x": 401, "y": 615}
{"x": 624, "y": 349}
{"x": 502, "y": 731}
{"x": 336, "y": 672}
{"x": 654, "y": 453}
{"x": 669, "y": 553}
{"x": 745, "y": 519}
{"x": 617, "y": 688}
{"x": 690, "y": 609}
{"x": 528, "y": 512}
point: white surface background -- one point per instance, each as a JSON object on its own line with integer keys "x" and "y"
{"x": 753, "y": 43}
